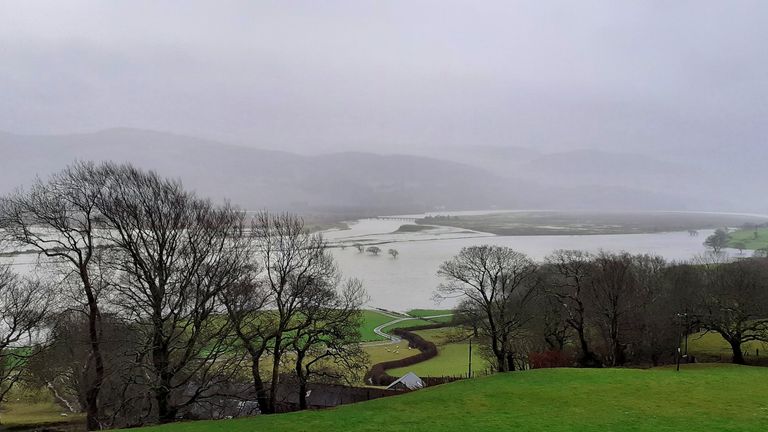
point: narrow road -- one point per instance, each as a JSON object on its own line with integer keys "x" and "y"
{"x": 393, "y": 339}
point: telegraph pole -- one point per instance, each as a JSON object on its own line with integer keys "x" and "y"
{"x": 469, "y": 371}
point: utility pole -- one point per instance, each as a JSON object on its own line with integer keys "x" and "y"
{"x": 469, "y": 371}
{"x": 679, "y": 339}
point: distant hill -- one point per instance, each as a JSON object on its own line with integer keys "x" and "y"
{"x": 334, "y": 183}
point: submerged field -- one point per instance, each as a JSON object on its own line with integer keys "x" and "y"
{"x": 589, "y": 223}
{"x": 699, "y": 398}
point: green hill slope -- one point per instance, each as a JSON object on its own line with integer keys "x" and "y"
{"x": 701, "y": 397}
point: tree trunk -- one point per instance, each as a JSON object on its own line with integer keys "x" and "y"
{"x": 511, "y": 362}
{"x": 275, "y": 376}
{"x": 738, "y": 355}
{"x": 302, "y": 380}
{"x": 258, "y": 385}
{"x": 587, "y": 358}
{"x": 96, "y": 361}
{"x": 160, "y": 361}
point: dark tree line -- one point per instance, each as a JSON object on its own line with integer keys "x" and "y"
{"x": 603, "y": 309}
{"x": 164, "y": 297}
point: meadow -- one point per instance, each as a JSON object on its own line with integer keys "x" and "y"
{"x": 700, "y": 397}
{"x": 747, "y": 239}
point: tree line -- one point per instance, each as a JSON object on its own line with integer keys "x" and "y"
{"x": 603, "y": 309}
{"x": 150, "y": 300}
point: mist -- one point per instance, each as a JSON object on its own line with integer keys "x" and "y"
{"x": 654, "y": 99}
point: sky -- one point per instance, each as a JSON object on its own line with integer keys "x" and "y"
{"x": 314, "y": 76}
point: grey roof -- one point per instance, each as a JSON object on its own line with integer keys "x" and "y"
{"x": 409, "y": 380}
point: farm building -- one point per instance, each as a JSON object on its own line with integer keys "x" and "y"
{"x": 409, "y": 381}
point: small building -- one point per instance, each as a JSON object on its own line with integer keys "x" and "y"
{"x": 409, "y": 381}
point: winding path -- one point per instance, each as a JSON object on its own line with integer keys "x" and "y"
{"x": 393, "y": 339}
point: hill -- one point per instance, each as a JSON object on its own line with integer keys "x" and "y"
{"x": 701, "y": 397}
{"x": 348, "y": 183}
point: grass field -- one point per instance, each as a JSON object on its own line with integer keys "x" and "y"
{"x": 452, "y": 355}
{"x": 371, "y": 320}
{"x": 33, "y": 408}
{"x": 699, "y": 398}
{"x": 587, "y": 223}
{"x": 433, "y": 312}
{"x": 747, "y": 238}
{"x": 713, "y": 345}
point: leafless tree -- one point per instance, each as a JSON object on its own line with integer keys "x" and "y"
{"x": 326, "y": 343}
{"x": 59, "y": 218}
{"x": 293, "y": 263}
{"x": 496, "y": 284}
{"x": 569, "y": 272}
{"x": 612, "y": 286}
{"x": 733, "y": 302}
{"x": 24, "y": 304}
{"x": 394, "y": 253}
{"x": 175, "y": 254}
{"x": 373, "y": 250}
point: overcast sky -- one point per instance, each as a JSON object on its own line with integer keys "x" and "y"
{"x": 385, "y": 75}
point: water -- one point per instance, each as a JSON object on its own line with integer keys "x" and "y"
{"x": 410, "y": 280}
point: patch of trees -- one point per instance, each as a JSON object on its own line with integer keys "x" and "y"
{"x": 163, "y": 299}
{"x": 602, "y": 309}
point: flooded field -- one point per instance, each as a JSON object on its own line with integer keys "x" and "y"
{"x": 409, "y": 281}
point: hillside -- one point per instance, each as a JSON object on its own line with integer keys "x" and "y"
{"x": 350, "y": 183}
{"x": 700, "y": 398}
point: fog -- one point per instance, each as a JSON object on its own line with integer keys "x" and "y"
{"x": 667, "y": 97}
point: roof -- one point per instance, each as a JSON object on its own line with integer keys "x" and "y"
{"x": 410, "y": 380}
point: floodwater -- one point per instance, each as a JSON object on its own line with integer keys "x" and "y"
{"x": 410, "y": 280}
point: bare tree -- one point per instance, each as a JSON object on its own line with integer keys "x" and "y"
{"x": 23, "y": 308}
{"x": 59, "y": 218}
{"x": 569, "y": 282}
{"x": 326, "y": 343}
{"x": 175, "y": 255}
{"x": 373, "y": 250}
{"x": 294, "y": 263}
{"x": 734, "y": 302}
{"x": 612, "y": 286}
{"x": 496, "y": 284}
{"x": 394, "y": 253}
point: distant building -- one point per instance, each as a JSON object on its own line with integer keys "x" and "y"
{"x": 409, "y": 381}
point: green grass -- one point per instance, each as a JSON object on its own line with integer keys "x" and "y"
{"x": 33, "y": 408}
{"x": 371, "y": 320}
{"x": 452, "y": 355}
{"x": 711, "y": 345}
{"x": 747, "y": 237}
{"x": 421, "y": 313}
{"x": 699, "y": 398}
{"x": 381, "y": 353}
